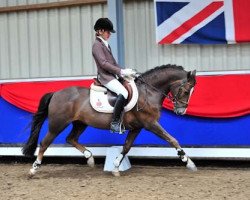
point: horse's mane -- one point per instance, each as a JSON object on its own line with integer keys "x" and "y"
{"x": 158, "y": 69}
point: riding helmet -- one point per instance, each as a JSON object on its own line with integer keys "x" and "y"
{"x": 104, "y": 23}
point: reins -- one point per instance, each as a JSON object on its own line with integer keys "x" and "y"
{"x": 153, "y": 87}
{"x": 145, "y": 101}
{"x": 169, "y": 95}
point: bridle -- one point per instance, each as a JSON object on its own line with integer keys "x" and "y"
{"x": 173, "y": 98}
{"x": 176, "y": 98}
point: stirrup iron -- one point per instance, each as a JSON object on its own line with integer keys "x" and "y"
{"x": 117, "y": 127}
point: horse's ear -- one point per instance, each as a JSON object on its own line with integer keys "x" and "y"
{"x": 194, "y": 72}
{"x": 191, "y": 74}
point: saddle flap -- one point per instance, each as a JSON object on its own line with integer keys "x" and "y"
{"x": 98, "y": 87}
{"x": 103, "y": 100}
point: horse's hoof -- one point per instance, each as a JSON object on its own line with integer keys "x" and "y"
{"x": 91, "y": 162}
{"x": 116, "y": 173}
{"x": 31, "y": 173}
{"x": 191, "y": 166}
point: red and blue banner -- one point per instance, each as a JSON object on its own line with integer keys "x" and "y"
{"x": 202, "y": 21}
{"x": 217, "y": 96}
{"x": 218, "y": 114}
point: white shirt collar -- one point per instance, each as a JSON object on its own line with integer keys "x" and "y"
{"x": 104, "y": 41}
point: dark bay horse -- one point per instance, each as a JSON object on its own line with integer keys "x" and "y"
{"x": 71, "y": 105}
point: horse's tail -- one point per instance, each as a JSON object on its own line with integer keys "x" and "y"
{"x": 36, "y": 125}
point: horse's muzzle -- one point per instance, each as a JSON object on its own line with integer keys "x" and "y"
{"x": 180, "y": 111}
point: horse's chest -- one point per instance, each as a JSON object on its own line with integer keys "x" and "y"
{"x": 149, "y": 114}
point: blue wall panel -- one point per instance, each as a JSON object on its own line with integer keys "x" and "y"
{"x": 188, "y": 130}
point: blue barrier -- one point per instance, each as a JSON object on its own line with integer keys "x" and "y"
{"x": 188, "y": 130}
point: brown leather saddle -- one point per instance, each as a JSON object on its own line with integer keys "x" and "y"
{"x": 111, "y": 95}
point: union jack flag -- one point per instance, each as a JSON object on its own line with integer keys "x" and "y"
{"x": 202, "y": 21}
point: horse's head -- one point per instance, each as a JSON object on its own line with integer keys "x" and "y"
{"x": 181, "y": 91}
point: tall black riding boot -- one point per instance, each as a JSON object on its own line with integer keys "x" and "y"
{"x": 116, "y": 125}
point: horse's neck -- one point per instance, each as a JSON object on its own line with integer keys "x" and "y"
{"x": 160, "y": 84}
{"x": 163, "y": 82}
{"x": 155, "y": 88}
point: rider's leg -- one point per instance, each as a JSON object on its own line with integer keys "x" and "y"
{"x": 116, "y": 124}
{"x": 122, "y": 93}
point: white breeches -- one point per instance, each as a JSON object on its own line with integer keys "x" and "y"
{"x": 116, "y": 87}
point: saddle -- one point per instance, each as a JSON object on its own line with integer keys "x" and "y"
{"x": 103, "y": 100}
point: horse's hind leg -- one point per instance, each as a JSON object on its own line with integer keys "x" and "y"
{"x": 43, "y": 147}
{"x": 55, "y": 128}
{"x": 77, "y": 129}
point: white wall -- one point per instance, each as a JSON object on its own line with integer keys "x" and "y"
{"x": 48, "y": 43}
{"x": 7, "y": 3}
{"x": 57, "y": 42}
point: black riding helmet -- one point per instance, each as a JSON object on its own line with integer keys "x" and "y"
{"x": 105, "y": 24}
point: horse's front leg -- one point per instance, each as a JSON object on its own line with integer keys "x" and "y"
{"x": 159, "y": 131}
{"x": 126, "y": 147}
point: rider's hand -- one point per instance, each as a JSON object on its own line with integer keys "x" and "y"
{"x": 128, "y": 72}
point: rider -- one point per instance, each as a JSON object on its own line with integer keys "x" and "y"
{"x": 108, "y": 70}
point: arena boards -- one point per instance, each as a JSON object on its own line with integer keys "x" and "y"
{"x": 201, "y": 137}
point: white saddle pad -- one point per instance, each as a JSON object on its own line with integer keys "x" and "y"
{"x": 99, "y": 98}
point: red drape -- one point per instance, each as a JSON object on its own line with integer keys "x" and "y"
{"x": 219, "y": 96}
{"x": 26, "y": 95}
{"x": 214, "y": 96}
